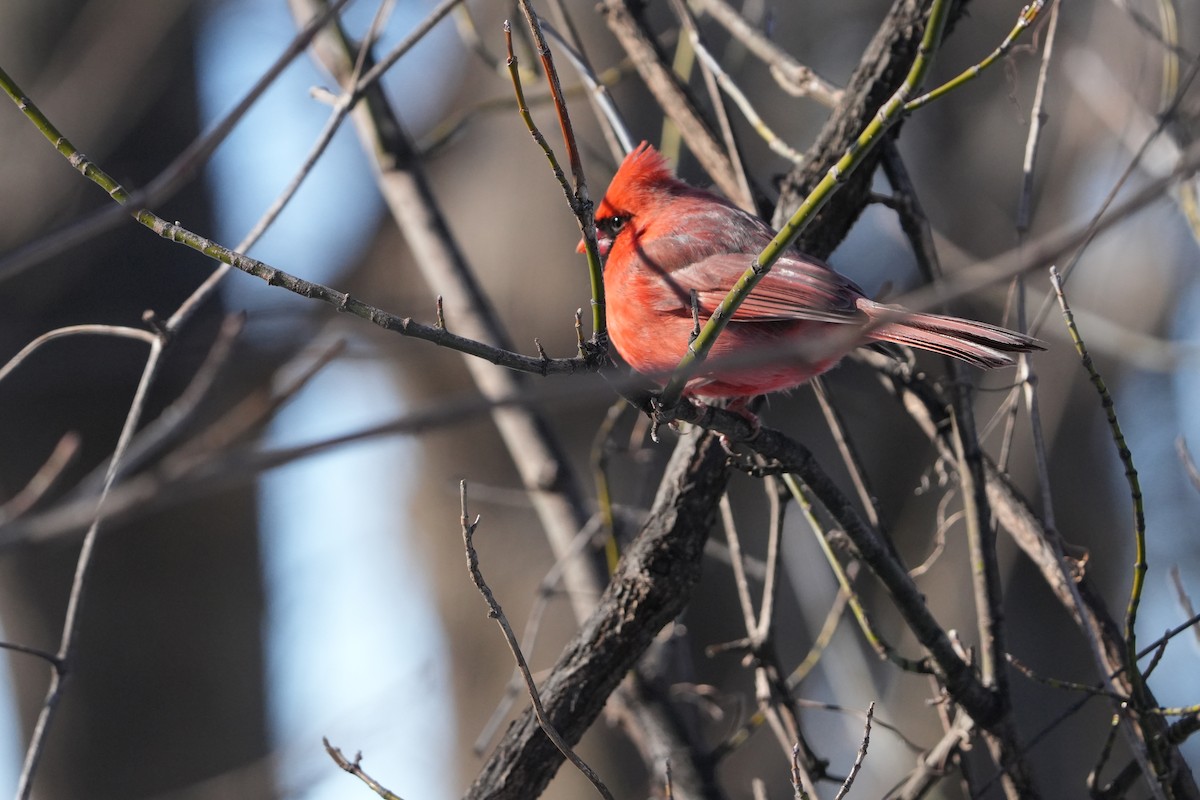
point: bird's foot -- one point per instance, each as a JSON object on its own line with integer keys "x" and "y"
{"x": 739, "y": 406}
{"x": 659, "y": 414}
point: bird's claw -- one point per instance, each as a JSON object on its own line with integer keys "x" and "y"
{"x": 751, "y": 419}
{"x": 659, "y": 414}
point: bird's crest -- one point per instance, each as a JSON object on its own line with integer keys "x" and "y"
{"x": 639, "y": 179}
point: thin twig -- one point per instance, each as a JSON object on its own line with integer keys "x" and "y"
{"x": 795, "y": 78}
{"x": 933, "y": 764}
{"x": 83, "y": 569}
{"x": 734, "y": 542}
{"x": 881, "y": 646}
{"x": 939, "y": 535}
{"x": 849, "y": 453}
{"x": 49, "y": 658}
{"x": 798, "y": 792}
{"x": 116, "y": 331}
{"x": 545, "y": 592}
{"x": 156, "y": 436}
{"x": 862, "y": 755}
{"x": 355, "y": 768}
{"x": 615, "y": 129}
{"x": 494, "y": 611}
{"x": 1182, "y": 597}
{"x": 776, "y": 495}
{"x": 1059, "y": 683}
{"x": 44, "y": 479}
{"x": 514, "y": 73}
{"x": 1131, "y": 476}
{"x": 578, "y": 198}
{"x": 775, "y": 704}
{"x": 1191, "y": 622}
{"x": 1094, "y": 787}
{"x": 828, "y": 628}
{"x": 1189, "y": 465}
{"x": 602, "y": 446}
{"x": 176, "y": 175}
{"x": 577, "y": 195}
{"x": 1038, "y": 117}
{"x": 1028, "y": 14}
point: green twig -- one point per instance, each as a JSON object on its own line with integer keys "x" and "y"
{"x": 602, "y": 444}
{"x": 1177, "y": 711}
{"x": 888, "y": 116}
{"x": 1139, "y": 515}
{"x": 1028, "y": 14}
{"x": 1061, "y": 683}
{"x": 62, "y": 144}
{"x": 828, "y": 628}
{"x": 1131, "y": 475}
{"x": 877, "y": 642}
{"x": 276, "y": 277}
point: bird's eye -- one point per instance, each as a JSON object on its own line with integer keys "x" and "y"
{"x": 611, "y": 226}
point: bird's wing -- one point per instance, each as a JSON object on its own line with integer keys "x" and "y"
{"x": 794, "y": 289}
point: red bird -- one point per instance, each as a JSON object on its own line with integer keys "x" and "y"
{"x": 662, "y": 239}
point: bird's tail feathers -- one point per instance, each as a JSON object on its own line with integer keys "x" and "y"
{"x": 977, "y": 343}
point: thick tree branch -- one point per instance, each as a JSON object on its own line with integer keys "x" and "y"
{"x": 651, "y": 586}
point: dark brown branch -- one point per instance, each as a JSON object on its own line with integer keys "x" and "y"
{"x": 652, "y": 585}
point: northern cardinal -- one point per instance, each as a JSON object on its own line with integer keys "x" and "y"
{"x": 661, "y": 239}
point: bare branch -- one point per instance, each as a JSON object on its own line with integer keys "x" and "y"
{"x": 496, "y": 613}
{"x": 355, "y": 768}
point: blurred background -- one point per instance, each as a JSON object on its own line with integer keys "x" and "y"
{"x": 230, "y": 624}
